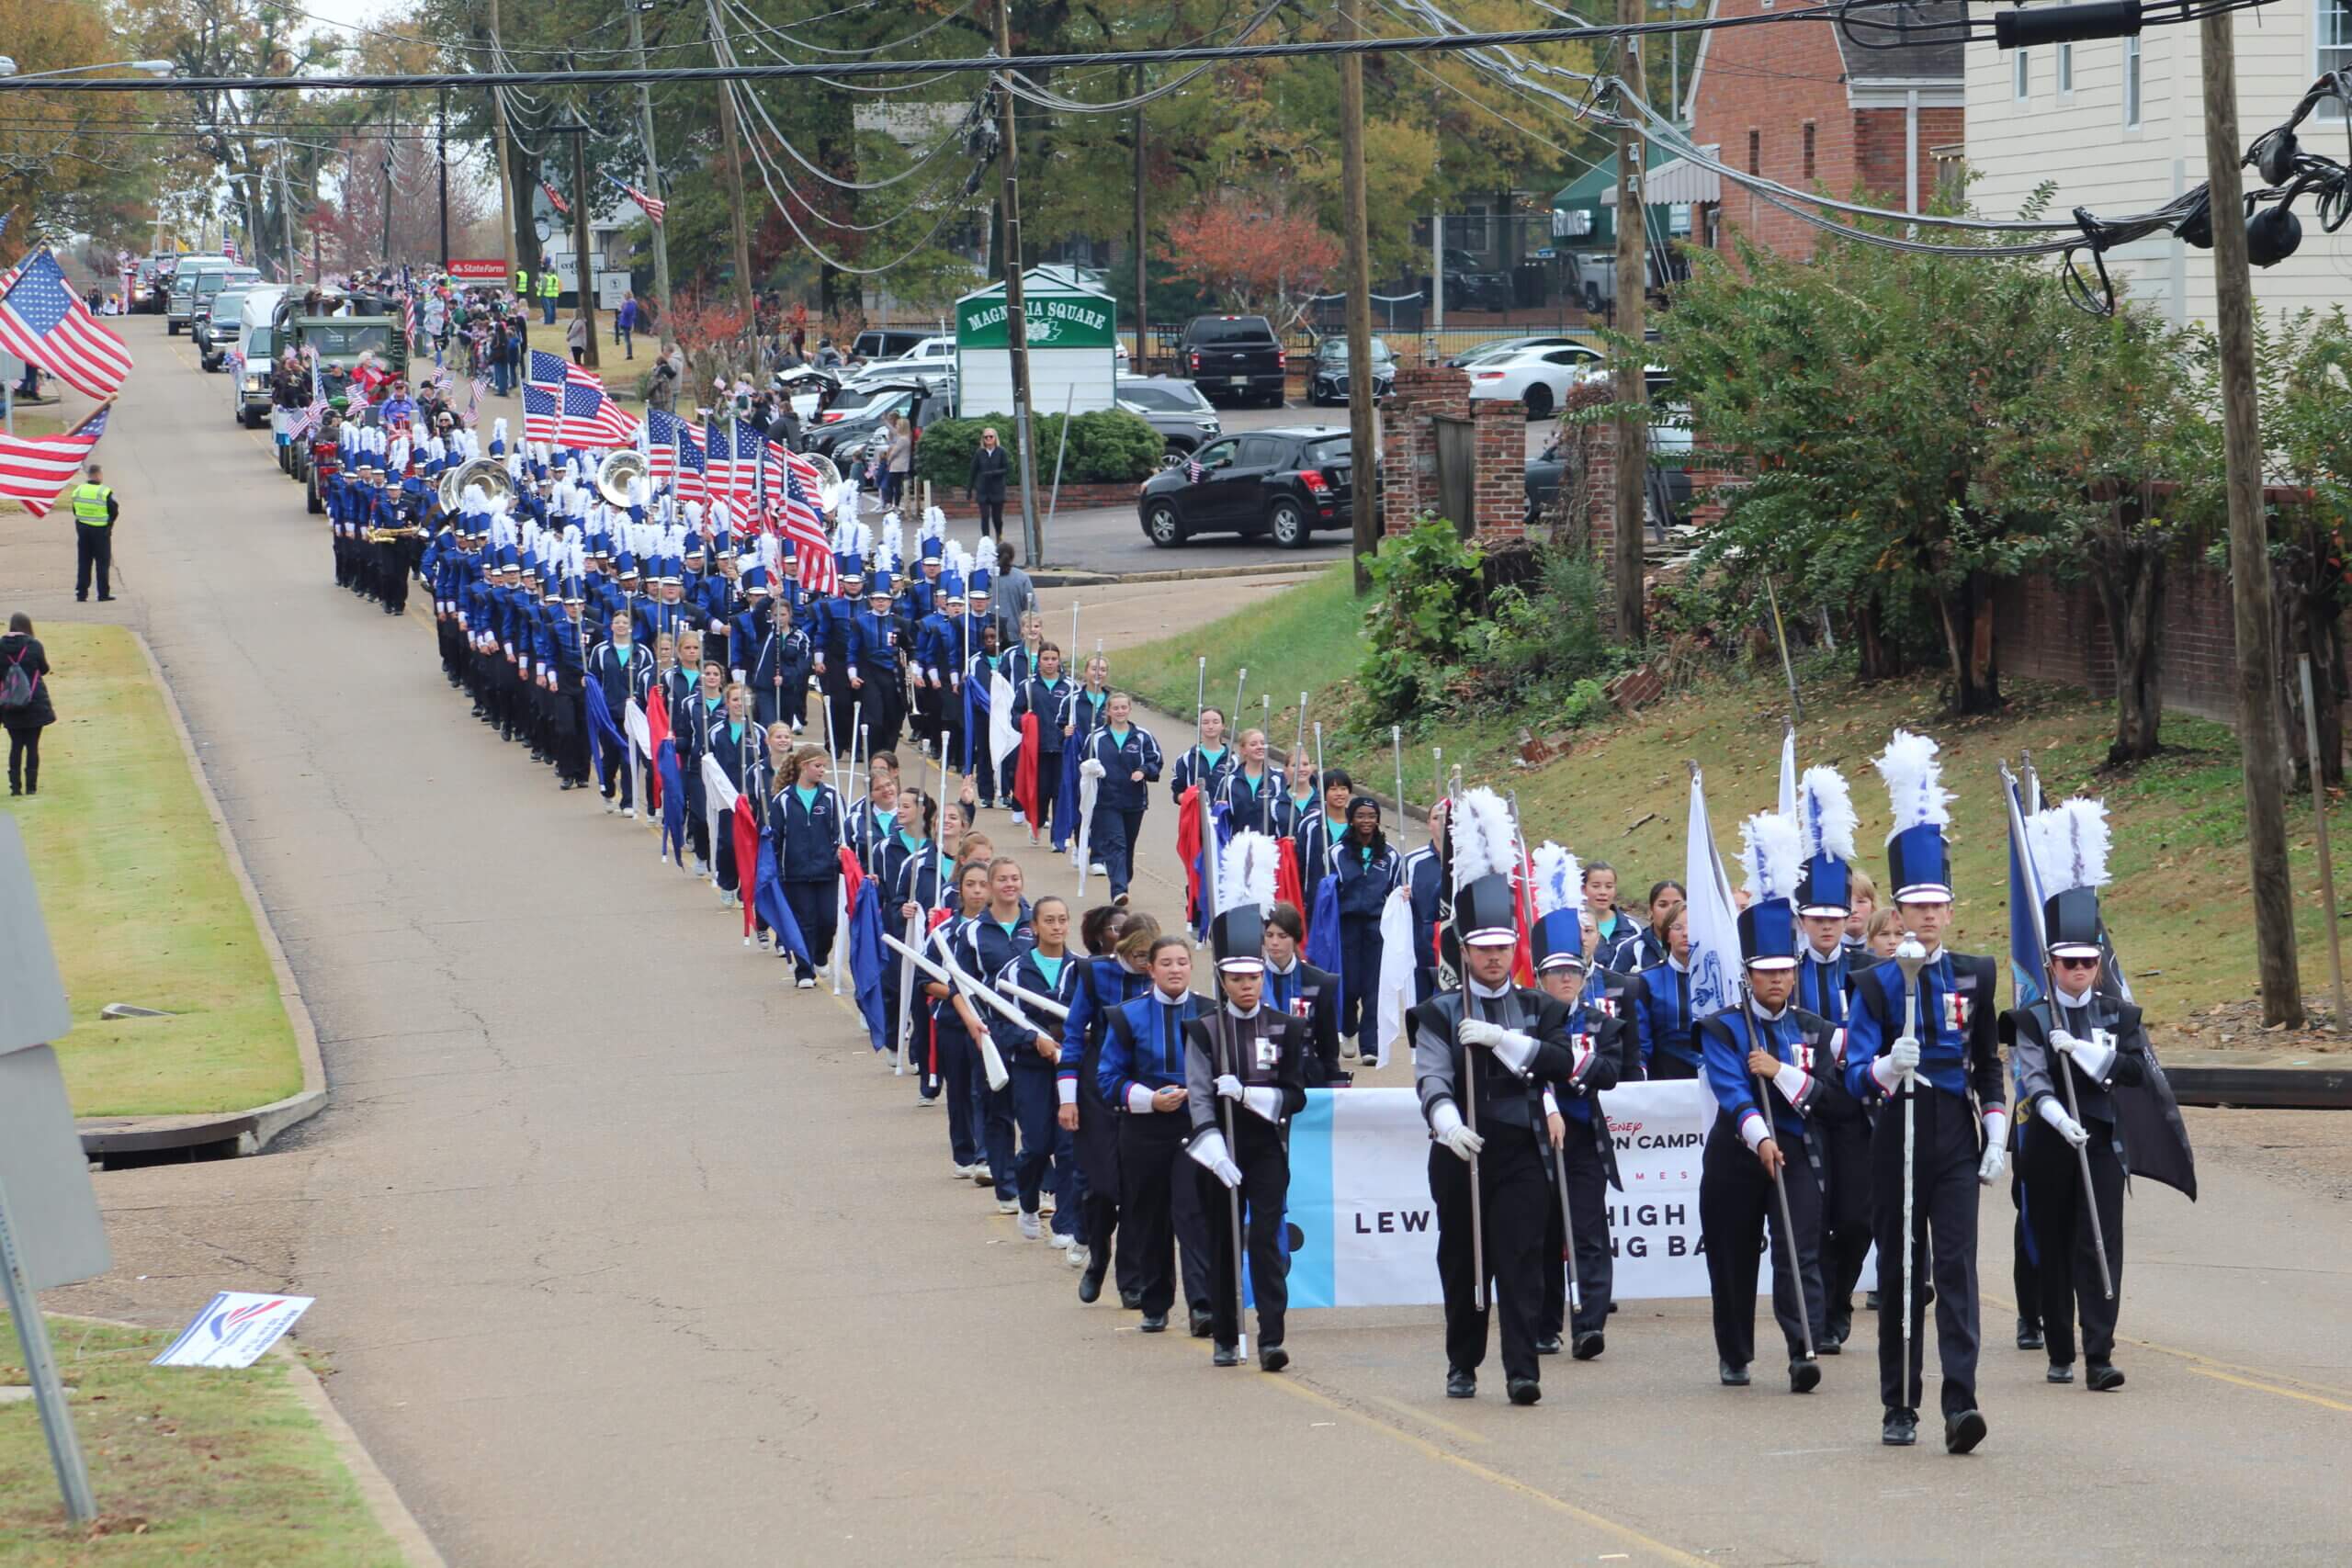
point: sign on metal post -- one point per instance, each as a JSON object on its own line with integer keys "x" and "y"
{"x": 50, "y": 1231}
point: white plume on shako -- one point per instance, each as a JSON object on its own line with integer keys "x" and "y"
{"x": 1559, "y": 879}
{"x": 2069, "y": 844}
{"x": 1484, "y": 841}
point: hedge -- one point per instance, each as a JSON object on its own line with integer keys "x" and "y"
{"x": 1109, "y": 447}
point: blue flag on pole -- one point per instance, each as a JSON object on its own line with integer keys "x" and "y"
{"x": 1323, "y": 945}
{"x": 1065, "y": 816}
{"x": 602, "y": 733}
{"x": 768, "y": 898}
{"x": 674, "y": 797}
{"x": 867, "y": 968}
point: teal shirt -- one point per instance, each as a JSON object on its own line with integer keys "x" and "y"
{"x": 1051, "y": 968}
{"x": 808, "y": 796}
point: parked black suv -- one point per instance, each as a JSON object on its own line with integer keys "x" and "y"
{"x": 1282, "y": 484}
{"x": 1238, "y": 356}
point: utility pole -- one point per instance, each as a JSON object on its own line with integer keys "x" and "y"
{"x": 583, "y": 265}
{"x": 652, "y": 164}
{"x": 732, "y": 136}
{"x": 445, "y": 179}
{"x": 386, "y": 165}
{"x": 286, "y": 210}
{"x": 1363, "y": 441}
{"x": 2264, "y": 767}
{"x": 506, "y": 232}
{"x": 1143, "y": 287}
{"x": 1633, "y": 383}
{"x": 1016, "y": 313}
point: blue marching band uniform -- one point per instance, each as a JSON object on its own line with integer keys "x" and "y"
{"x": 567, "y": 614}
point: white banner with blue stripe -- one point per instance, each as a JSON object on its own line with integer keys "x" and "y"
{"x": 1363, "y": 1232}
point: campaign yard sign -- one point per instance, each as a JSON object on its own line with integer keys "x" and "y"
{"x": 234, "y": 1330}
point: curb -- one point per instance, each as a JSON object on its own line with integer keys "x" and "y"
{"x": 2257, "y": 1086}
{"x": 253, "y": 1130}
{"x": 1072, "y": 577}
{"x": 376, "y": 1488}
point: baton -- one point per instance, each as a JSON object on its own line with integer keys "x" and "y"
{"x": 1779, "y": 1185}
{"x": 954, "y": 977}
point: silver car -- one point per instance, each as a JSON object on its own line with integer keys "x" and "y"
{"x": 1176, "y": 409}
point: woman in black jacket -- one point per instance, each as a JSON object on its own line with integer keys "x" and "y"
{"x": 989, "y": 462}
{"x": 24, "y": 672}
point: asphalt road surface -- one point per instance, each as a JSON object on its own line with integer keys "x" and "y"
{"x": 626, "y": 1253}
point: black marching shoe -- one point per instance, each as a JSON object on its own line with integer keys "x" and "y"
{"x": 1804, "y": 1375}
{"x": 1841, "y": 1328}
{"x": 1131, "y": 1300}
{"x": 1549, "y": 1346}
{"x": 2060, "y": 1371}
{"x": 1733, "y": 1377}
{"x": 1963, "y": 1431}
{"x": 1460, "y": 1384}
{"x": 1202, "y": 1322}
{"x": 1899, "y": 1428}
{"x": 2029, "y": 1334}
{"x": 1227, "y": 1355}
{"x": 1523, "y": 1391}
{"x": 2104, "y": 1377}
{"x": 1589, "y": 1345}
{"x": 1273, "y": 1357}
{"x": 1870, "y": 1302}
{"x": 1155, "y": 1323}
{"x": 1089, "y": 1286}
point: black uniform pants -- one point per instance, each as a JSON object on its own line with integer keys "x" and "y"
{"x": 1846, "y": 1216}
{"x": 1049, "y": 784}
{"x": 1511, "y": 1183}
{"x": 2061, "y": 1237}
{"x": 1735, "y": 1199}
{"x": 1595, "y": 1265}
{"x": 1947, "y": 1147}
{"x": 93, "y": 552}
{"x": 2025, "y": 1269}
{"x": 1265, "y": 1189}
{"x": 1159, "y": 1207}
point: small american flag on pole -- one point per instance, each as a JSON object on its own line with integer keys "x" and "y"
{"x": 308, "y": 420}
{"x": 590, "y": 417}
{"x": 554, "y": 200}
{"x": 228, "y": 247}
{"x": 542, "y": 398}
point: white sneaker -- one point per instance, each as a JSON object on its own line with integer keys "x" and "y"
{"x": 1062, "y": 1243}
{"x": 1019, "y": 821}
{"x": 702, "y": 867}
{"x": 1007, "y": 1206}
{"x": 960, "y": 1172}
{"x": 628, "y": 813}
{"x": 1029, "y": 1230}
{"x": 611, "y": 806}
{"x": 1078, "y": 1255}
{"x": 982, "y": 1176}
{"x": 1095, "y": 868}
{"x": 804, "y": 984}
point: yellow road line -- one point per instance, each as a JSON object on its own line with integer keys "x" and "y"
{"x": 1462, "y": 1434}
{"x": 2213, "y": 1365}
{"x": 2270, "y": 1388}
{"x": 1626, "y": 1534}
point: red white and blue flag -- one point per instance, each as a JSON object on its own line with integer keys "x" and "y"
{"x": 228, "y": 247}
{"x": 655, "y": 208}
{"x": 44, "y": 321}
{"x": 803, "y": 522}
{"x": 562, "y": 207}
{"x": 738, "y": 479}
{"x": 542, "y": 397}
{"x": 589, "y": 417}
{"x": 36, "y": 469}
{"x": 665, "y": 434}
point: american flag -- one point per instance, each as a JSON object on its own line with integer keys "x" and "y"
{"x": 736, "y": 476}
{"x": 408, "y": 320}
{"x": 43, "y": 322}
{"x": 591, "y": 418}
{"x": 480, "y": 384}
{"x": 655, "y": 208}
{"x": 36, "y": 469}
{"x": 804, "y": 525}
{"x": 308, "y": 420}
{"x": 693, "y": 482}
{"x": 228, "y": 247}
{"x": 542, "y": 397}
{"x": 663, "y": 437}
{"x": 562, "y": 206}
{"x": 1192, "y": 469}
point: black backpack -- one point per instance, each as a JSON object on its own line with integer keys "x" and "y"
{"x": 16, "y": 684}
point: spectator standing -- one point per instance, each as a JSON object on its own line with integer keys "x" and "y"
{"x": 575, "y": 336}
{"x": 25, "y": 707}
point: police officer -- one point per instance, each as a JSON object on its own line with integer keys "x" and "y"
{"x": 94, "y": 511}
{"x": 1482, "y": 1053}
{"x": 1927, "y": 1069}
{"x": 1245, "y": 1066}
{"x": 1770, "y": 1067}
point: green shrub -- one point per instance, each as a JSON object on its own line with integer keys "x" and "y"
{"x": 1421, "y": 627}
{"x": 1107, "y": 446}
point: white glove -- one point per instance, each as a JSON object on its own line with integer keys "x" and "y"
{"x": 1208, "y": 1152}
{"x": 2095, "y": 1056}
{"x": 2065, "y": 1126}
{"x": 1515, "y": 1050}
{"x": 1899, "y": 1059}
{"x": 1478, "y": 1031}
{"x": 1996, "y": 1161}
{"x": 1228, "y": 1087}
{"x": 1090, "y": 769}
{"x": 1446, "y": 1124}
{"x": 1265, "y": 1102}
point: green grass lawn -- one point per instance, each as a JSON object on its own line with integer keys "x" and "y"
{"x": 141, "y": 904}
{"x": 2179, "y": 906}
{"x": 191, "y": 1467}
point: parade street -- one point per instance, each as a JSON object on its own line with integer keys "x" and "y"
{"x": 626, "y": 1253}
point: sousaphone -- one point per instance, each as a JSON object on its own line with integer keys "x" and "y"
{"x": 615, "y": 474}
{"x": 488, "y": 473}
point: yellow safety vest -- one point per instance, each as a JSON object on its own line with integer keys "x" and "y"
{"x": 90, "y": 504}
{"x": 549, "y": 284}
{"x": 522, "y": 281}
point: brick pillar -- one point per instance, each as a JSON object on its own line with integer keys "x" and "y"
{"x": 1408, "y": 452}
{"x": 1600, "y": 496}
{"x": 1500, "y": 494}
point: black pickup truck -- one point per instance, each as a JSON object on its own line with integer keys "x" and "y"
{"x": 1235, "y": 356}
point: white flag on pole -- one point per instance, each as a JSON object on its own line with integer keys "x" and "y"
{"x": 1713, "y": 925}
{"x": 1789, "y": 774}
{"x": 1397, "y": 987}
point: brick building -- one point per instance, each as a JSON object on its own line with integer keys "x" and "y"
{"x": 1804, "y": 103}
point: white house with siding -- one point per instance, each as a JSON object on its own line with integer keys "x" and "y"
{"x": 2119, "y": 125}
